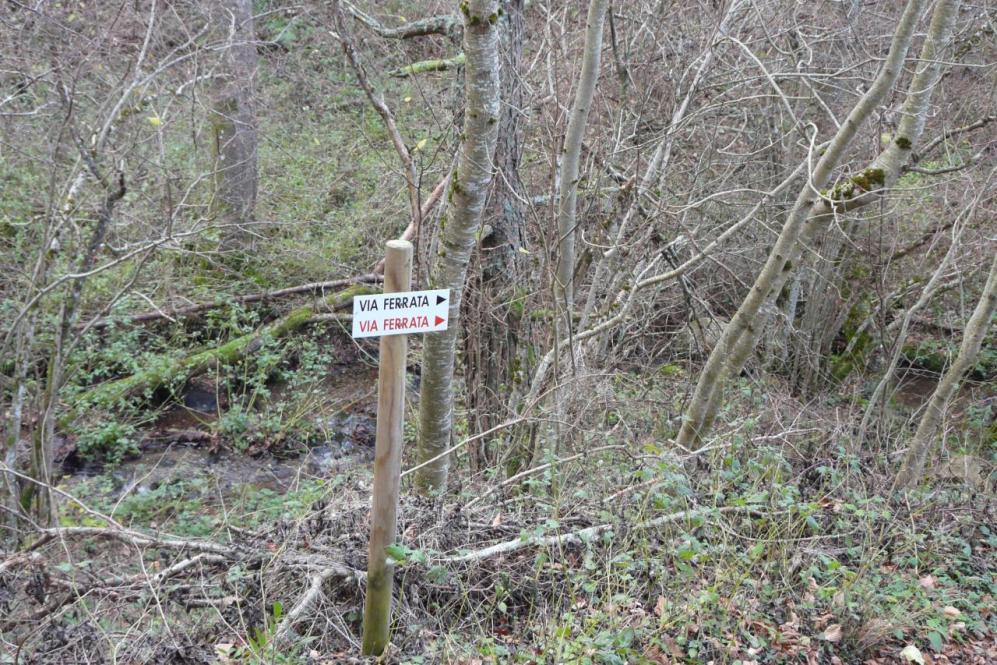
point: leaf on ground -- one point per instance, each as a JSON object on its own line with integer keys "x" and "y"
{"x": 832, "y": 633}
{"x": 911, "y": 654}
{"x": 927, "y": 582}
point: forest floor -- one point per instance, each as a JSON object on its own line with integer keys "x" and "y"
{"x": 773, "y": 545}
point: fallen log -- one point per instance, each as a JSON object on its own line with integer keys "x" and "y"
{"x": 190, "y": 310}
{"x": 165, "y": 370}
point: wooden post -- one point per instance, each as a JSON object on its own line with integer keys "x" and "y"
{"x": 387, "y": 459}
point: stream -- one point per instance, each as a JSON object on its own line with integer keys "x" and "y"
{"x": 182, "y": 446}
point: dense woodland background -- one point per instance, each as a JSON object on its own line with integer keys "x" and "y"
{"x": 722, "y": 385}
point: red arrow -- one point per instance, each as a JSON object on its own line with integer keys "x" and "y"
{"x": 439, "y": 320}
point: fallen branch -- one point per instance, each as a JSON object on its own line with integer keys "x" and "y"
{"x": 178, "y": 312}
{"x": 307, "y": 599}
{"x": 587, "y": 534}
{"x": 426, "y": 66}
{"x": 434, "y": 25}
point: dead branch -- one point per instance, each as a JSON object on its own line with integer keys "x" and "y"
{"x": 427, "y": 206}
{"x": 377, "y": 101}
{"x": 433, "y": 25}
{"x": 307, "y": 599}
{"x": 587, "y": 534}
{"x": 190, "y": 310}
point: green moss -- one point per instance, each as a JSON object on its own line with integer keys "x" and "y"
{"x": 868, "y": 180}
{"x": 875, "y": 176}
{"x": 843, "y": 364}
{"x": 927, "y": 354}
{"x": 903, "y": 142}
{"x": 542, "y": 315}
{"x": 518, "y": 304}
{"x": 862, "y": 181}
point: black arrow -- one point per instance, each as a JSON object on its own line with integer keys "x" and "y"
{"x": 440, "y": 299}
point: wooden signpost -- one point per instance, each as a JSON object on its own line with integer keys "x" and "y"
{"x": 392, "y": 315}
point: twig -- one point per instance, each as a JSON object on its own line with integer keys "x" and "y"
{"x": 427, "y": 206}
{"x": 377, "y": 101}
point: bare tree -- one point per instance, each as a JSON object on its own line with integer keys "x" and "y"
{"x": 469, "y": 188}
{"x": 564, "y": 292}
{"x": 233, "y": 126}
{"x": 496, "y": 333}
{"x": 814, "y": 208}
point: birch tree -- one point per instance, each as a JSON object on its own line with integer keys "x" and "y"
{"x": 468, "y": 190}
{"x": 976, "y": 330}
{"x": 814, "y": 208}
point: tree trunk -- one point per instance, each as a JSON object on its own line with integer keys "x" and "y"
{"x": 495, "y": 299}
{"x": 972, "y": 340}
{"x": 811, "y": 214}
{"x": 564, "y": 291}
{"x": 469, "y": 188}
{"x": 233, "y": 128}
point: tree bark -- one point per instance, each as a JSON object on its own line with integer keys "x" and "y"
{"x": 494, "y": 326}
{"x": 811, "y": 213}
{"x": 233, "y": 128}
{"x": 469, "y": 188}
{"x": 913, "y": 464}
{"x": 564, "y": 292}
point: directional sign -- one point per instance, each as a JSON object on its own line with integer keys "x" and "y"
{"x": 403, "y": 313}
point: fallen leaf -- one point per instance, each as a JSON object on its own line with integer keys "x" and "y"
{"x": 927, "y": 582}
{"x": 659, "y": 607}
{"x": 911, "y": 654}
{"x": 657, "y": 656}
{"x": 498, "y": 520}
{"x": 832, "y": 633}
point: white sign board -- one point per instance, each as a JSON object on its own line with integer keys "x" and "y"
{"x": 403, "y": 313}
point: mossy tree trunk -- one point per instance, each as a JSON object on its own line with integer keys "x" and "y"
{"x": 811, "y": 213}
{"x": 167, "y": 370}
{"x": 469, "y": 189}
{"x": 233, "y": 127}
{"x": 976, "y": 329}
